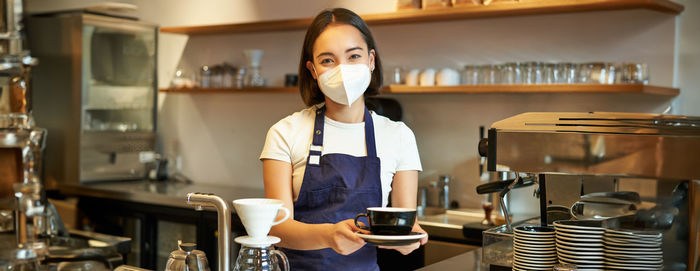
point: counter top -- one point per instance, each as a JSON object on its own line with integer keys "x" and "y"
{"x": 467, "y": 261}
{"x": 164, "y": 193}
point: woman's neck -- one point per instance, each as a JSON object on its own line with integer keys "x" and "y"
{"x": 355, "y": 113}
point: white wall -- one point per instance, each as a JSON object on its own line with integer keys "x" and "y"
{"x": 221, "y": 135}
{"x": 689, "y": 58}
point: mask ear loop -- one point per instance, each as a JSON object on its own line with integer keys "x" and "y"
{"x": 316, "y": 73}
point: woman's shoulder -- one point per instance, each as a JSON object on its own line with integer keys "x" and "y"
{"x": 390, "y": 125}
{"x": 295, "y": 119}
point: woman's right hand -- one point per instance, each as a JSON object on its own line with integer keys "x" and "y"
{"x": 341, "y": 237}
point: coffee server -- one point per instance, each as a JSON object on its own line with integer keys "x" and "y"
{"x": 95, "y": 90}
{"x": 566, "y": 150}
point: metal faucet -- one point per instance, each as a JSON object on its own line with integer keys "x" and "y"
{"x": 223, "y": 212}
{"x": 444, "y": 183}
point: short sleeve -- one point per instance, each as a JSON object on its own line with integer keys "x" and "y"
{"x": 276, "y": 146}
{"x": 408, "y": 156}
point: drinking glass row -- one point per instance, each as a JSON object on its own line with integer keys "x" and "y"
{"x": 555, "y": 73}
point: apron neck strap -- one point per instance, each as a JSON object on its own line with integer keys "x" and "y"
{"x": 317, "y": 141}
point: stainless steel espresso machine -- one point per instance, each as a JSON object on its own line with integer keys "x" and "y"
{"x": 32, "y": 236}
{"x": 654, "y": 152}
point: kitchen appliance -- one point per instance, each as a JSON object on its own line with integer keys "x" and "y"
{"x": 21, "y": 141}
{"x": 117, "y": 8}
{"x": 96, "y": 93}
{"x": 565, "y": 148}
{"x": 40, "y": 242}
{"x": 187, "y": 258}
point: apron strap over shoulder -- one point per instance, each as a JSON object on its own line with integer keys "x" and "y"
{"x": 317, "y": 143}
{"x": 369, "y": 134}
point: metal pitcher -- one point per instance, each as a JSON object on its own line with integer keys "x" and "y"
{"x": 187, "y": 258}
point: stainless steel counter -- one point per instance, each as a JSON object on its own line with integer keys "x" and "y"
{"x": 467, "y": 261}
{"x": 164, "y": 193}
{"x": 450, "y": 224}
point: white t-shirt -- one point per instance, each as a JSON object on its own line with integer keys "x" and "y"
{"x": 289, "y": 140}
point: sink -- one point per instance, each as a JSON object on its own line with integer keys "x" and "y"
{"x": 455, "y": 218}
{"x": 448, "y": 224}
{"x": 428, "y": 211}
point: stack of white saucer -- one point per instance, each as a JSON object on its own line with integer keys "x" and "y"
{"x": 534, "y": 248}
{"x": 633, "y": 250}
{"x": 580, "y": 242}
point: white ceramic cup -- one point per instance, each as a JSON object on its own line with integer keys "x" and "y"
{"x": 412, "y": 77}
{"x": 258, "y": 215}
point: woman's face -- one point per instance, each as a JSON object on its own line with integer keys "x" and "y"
{"x": 339, "y": 44}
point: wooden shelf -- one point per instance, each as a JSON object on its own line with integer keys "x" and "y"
{"x": 232, "y": 90}
{"x": 497, "y": 9}
{"x": 464, "y": 89}
{"x": 540, "y": 88}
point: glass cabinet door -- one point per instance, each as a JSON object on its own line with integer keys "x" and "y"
{"x": 118, "y": 76}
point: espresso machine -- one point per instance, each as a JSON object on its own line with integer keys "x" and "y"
{"x": 21, "y": 141}
{"x": 567, "y": 153}
{"x": 32, "y": 235}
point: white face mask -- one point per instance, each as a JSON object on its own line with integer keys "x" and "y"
{"x": 344, "y": 84}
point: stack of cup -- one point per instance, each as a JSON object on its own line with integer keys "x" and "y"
{"x": 534, "y": 248}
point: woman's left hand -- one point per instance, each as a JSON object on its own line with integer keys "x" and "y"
{"x": 405, "y": 250}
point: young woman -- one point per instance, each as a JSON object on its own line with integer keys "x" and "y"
{"x": 334, "y": 159}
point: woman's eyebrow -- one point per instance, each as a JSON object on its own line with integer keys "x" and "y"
{"x": 353, "y": 48}
{"x": 325, "y": 54}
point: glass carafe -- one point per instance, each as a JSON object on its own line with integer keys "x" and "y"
{"x": 254, "y": 258}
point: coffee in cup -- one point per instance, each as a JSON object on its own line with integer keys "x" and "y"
{"x": 388, "y": 220}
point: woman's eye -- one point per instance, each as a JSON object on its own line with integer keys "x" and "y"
{"x": 326, "y": 61}
{"x": 355, "y": 56}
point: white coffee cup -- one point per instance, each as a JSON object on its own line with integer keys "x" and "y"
{"x": 258, "y": 215}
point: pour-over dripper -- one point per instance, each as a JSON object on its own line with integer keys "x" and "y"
{"x": 258, "y": 215}
{"x": 253, "y": 56}
{"x": 253, "y": 76}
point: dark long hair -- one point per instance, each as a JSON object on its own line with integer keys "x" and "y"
{"x": 308, "y": 87}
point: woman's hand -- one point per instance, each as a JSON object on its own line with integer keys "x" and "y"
{"x": 405, "y": 250}
{"x": 341, "y": 237}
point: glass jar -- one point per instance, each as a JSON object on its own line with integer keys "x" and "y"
{"x": 217, "y": 76}
{"x": 228, "y": 74}
{"x": 205, "y": 76}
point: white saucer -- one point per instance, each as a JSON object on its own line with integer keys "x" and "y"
{"x": 580, "y": 240}
{"x": 574, "y": 248}
{"x": 636, "y": 233}
{"x": 249, "y": 241}
{"x": 392, "y": 240}
{"x": 573, "y": 244}
{"x": 573, "y": 235}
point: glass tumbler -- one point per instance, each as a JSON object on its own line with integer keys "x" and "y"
{"x": 397, "y": 76}
{"x": 593, "y": 73}
{"x": 533, "y": 73}
{"x": 490, "y": 74}
{"x": 567, "y": 73}
{"x": 611, "y": 74}
{"x": 512, "y": 73}
{"x": 548, "y": 73}
{"x": 470, "y": 75}
{"x": 635, "y": 73}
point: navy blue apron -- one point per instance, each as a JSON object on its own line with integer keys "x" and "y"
{"x": 336, "y": 187}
